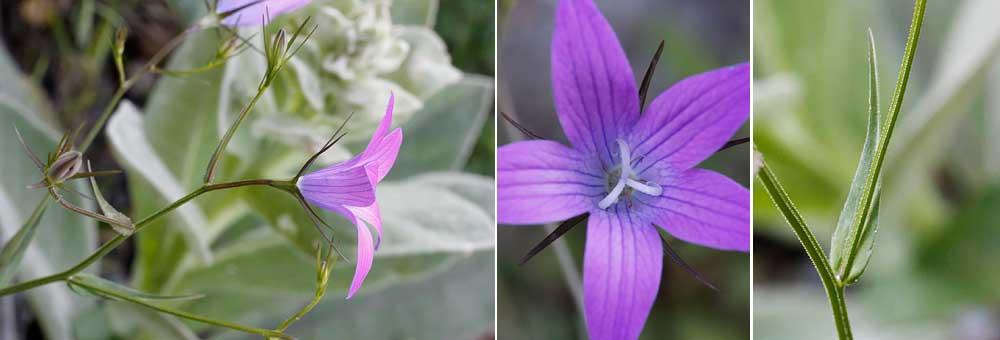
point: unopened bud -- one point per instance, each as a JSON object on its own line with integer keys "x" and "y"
{"x": 68, "y": 164}
{"x": 121, "y": 34}
{"x": 278, "y": 46}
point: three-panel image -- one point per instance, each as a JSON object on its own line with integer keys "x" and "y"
{"x": 512, "y": 169}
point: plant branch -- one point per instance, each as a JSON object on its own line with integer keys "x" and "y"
{"x": 178, "y": 313}
{"x": 834, "y": 291}
{"x": 127, "y": 84}
{"x": 115, "y": 242}
{"x": 886, "y": 134}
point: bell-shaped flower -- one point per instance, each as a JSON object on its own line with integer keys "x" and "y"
{"x": 348, "y": 188}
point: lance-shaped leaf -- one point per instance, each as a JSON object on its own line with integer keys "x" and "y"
{"x": 852, "y": 227}
{"x": 13, "y": 250}
{"x": 124, "y": 225}
{"x": 90, "y": 284}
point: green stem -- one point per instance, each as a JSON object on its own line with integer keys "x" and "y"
{"x": 302, "y": 312}
{"x": 124, "y": 297}
{"x": 834, "y": 291}
{"x": 126, "y": 85}
{"x": 115, "y": 242}
{"x": 84, "y": 145}
{"x": 213, "y": 162}
{"x": 886, "y": 134}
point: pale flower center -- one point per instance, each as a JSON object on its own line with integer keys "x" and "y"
{"x": 627, "y": 180}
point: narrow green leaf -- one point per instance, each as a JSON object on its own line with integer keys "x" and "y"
{"x": 90, "y": 284}
{"x": 850, "y": 223}
{"x": 125, "y": 227}
{"x": 10, "y": 257}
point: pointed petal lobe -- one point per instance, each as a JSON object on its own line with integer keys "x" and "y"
{"x": 705, "y": 208}
{"x": 621, "y": 274}
{"x": 385, "y": 155}
{"x": 383, "y": 147}
{"x": 593, "y": 85}
{"x": 693, "y": 119}
{"x": 366, "y": 252}
{"x": 543, "y": 181}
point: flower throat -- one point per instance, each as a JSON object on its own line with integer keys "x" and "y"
{"x": 626, "y": 180}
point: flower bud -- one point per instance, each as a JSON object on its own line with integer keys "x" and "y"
{"x": 121, "y": 34}
{"x": 278, "y": 46}
{"x": 68, "y": 164}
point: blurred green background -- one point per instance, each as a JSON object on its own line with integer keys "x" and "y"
{"x": 933, "y": 274}
{"x": 536, "y": 300}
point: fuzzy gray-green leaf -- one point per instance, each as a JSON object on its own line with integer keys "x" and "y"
{"x": 850, "y": 225}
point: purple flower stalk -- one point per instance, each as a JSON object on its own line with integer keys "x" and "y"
{"x": 628, "y": 171}
{"x": 348, "y": 188}
{"x": 251, "y": 12}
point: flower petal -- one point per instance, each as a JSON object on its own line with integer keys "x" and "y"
{"x": 621, "y": 274}
{"x": 385, "y": 124}
{"x": 359, "y": 216}
{"x": 543, "y": 181}
{"x": 384, "y": 146}
{"x": 593, "y": 84}
{"x": 253, "y": 14}
{"x": 705, "y": 208}
{"x": 693, "y": 119}
{"x": 366, "y": 252}
{"x": 385, "y": 153}
{"x": 338, "y": 185}
{"x": 370, "y": 214}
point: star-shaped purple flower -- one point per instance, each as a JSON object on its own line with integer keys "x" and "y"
{"x": 250, "y": 12}
{"x": 629, "y": 172}
{"x": 348, "y": 188}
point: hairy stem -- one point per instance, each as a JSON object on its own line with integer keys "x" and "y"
{"x": 834, "y": 291}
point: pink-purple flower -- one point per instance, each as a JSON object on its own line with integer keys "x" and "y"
{"x": 253, "y": 12}
{"x": 348, "y": 188}
{"x": 630, "y": 172}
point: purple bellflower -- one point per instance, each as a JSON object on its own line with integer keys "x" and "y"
{"x": 630, "y": 172}
{"x": 250, "y": 12}
{"x": 348, "y": 188}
